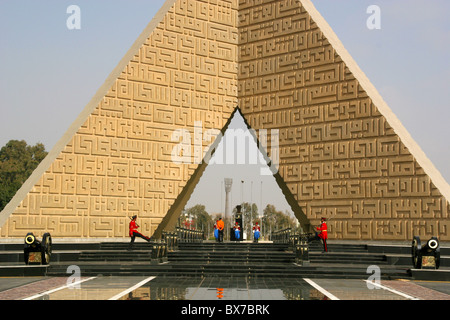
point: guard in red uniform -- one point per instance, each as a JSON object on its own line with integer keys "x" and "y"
{"x": 134, "y": 233}
{"x": 323, "y": 233}
{"x": 256, "y": 232}
{"x": 237, "y": 231}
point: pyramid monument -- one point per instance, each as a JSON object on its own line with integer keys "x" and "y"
{"x": 342, "y": 153}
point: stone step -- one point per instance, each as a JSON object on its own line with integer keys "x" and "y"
{"x": 234, "y": 260}
{"x": 233, "y": 248}
{"x": 223, "y": 259}
{"x": 339, "y": 248}
{"x": 114, "y": 256}
{"x": 330, "y": 256}
{"x": 230, "y": 253}
{"x": 233, "y": 255}
{"x": 224, "y": 269}
{"x": 125, "y": 245}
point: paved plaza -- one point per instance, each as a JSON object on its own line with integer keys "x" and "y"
{"x": 216, "y": 288}
{"x": 208, "y": 271}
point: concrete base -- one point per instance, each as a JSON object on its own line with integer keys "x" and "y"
{"x": 23, "y": 271}
{"x": 430, "y": 275}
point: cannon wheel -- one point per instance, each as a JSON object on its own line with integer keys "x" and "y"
{"x": 416, "y": 252}
{"x": 46, "y": 248}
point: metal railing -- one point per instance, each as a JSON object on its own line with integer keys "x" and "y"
{"x": 282, "y": 236}
{"x": 298, "y": 243}
{"x": 159, "y": 252}
{"x": 188, "y": 235}
{"x": 169, "y": 243}
{"x": 171, "y": 239}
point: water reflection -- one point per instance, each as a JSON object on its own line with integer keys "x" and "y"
{"x": 219, "y": 293}
{"x": 224, "y": 289}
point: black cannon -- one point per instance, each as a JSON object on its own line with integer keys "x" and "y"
{"x": 427, "y": 256}
{"x": 35, "y": 251}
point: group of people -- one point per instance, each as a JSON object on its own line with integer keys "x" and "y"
{"x": 322, "y": 233}
{"x": 219, "y": 227}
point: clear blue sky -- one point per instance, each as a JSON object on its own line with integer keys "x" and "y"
{"x": 49, "y": 73}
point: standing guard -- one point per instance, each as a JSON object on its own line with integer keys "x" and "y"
{"x": 216, "y": 233}
{"x": 135, "y": 233}
{"x": 323, "y": 233}
{"x": 256, "y": 232}
{"x": 237, "y": 232}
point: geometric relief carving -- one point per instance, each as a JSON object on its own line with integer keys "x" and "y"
{"x": 342, "y": 153}
{"x": 118, "y": 163}
{"x": 339, "y": 156}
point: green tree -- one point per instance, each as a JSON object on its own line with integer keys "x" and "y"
{"x": 250, "y": 216}
{"x": 274, "y": 219}
{"x": 202, "y": 220}
{"x": 17, "y": 161}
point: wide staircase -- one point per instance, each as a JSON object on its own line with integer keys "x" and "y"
{"x": 109, "y": 259}
{"x": 229, "y": 259}
{"x": 278, "y": 260}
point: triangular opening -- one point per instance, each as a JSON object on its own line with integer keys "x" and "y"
{"x": 239, "y": 153}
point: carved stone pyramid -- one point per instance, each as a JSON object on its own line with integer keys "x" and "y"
{"x": 342, "y": 152}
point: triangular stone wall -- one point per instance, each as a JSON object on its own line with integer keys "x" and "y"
{"x": 343, "y": 153}
{"x": 116, "y": 161}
